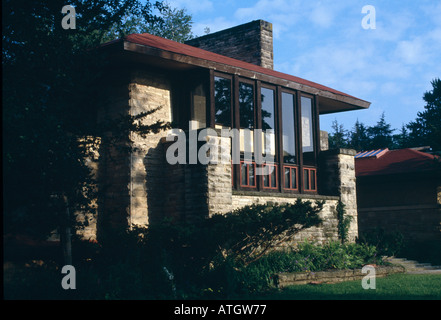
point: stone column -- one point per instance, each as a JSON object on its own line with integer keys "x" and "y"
{"x": 195, "y": 190}
{"x": 337, "y": 178}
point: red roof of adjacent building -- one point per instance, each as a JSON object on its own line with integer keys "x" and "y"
{"x": 146, "y": 39}
{"x": 394, "y": 162}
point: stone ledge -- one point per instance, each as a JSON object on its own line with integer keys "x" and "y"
{"x": 283, "y": 195}
{"x": 282, "y": 280}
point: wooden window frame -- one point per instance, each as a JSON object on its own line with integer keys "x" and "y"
{"x": 276, "y": 166}
{"x": 279, "y": 164}
{"x": 248, "y": 186}
{"x": 309, "y": 170}
{"x": 296, "y": 169}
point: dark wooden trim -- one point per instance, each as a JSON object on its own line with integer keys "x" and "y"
{"x": 317, "y": 128}
{"x": 211, "y": 110}
{"x": 279, "y": 132}
{"x": 298, "y": 125}
{"x": 235, "y": 124}
{"x": 348, "y": 102}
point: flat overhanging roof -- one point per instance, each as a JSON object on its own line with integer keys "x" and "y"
{"x": 174, "y": 55}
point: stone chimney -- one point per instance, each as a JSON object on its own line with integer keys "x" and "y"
{"x": 251, "y": 42}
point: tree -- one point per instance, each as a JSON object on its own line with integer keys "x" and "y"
{"x": 338, "y": 138}
{"x": 50, "y": 128}
{"x": 426, "y": 129}
{"x": 401, "y": 140}
{"x": 358, "y": 137}
{"x": 171, "y": 23}
{"x": 380, "y": 135}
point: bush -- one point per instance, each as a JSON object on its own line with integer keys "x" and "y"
{"x": 307, "y": 257}
{"x": 387, "y": 243}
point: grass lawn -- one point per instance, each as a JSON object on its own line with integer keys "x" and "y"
{"x": 394, "y": 287}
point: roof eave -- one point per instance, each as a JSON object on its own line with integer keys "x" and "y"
{"x": 329, "y": 102}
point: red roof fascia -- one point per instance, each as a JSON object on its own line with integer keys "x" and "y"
{"x": 393, "y": 162}
{"x": 146, "y": 39}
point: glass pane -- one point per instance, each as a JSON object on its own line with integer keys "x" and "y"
{"x": 243, "y": 174}
{"x": 288, "y": 128}
{"x": 287, "y": 180}
{"x": 273, "y": 178}
{"x": 199, "y": 107}
{"x": 307, "y": 131}
{"x": 246, "y": 105}
{"x": 266, "y": 180}
{"x": 251, "y": 174}
{"x": 222, "y": 101}
{"x": 306, "y": 179}
{"x": 293, "y": 178}
{"x": 268, "y": 121}
{"x": 312, "y": 172}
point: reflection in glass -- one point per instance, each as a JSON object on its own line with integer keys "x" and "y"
{"x": 268, "y": 121}
{"x": 306, "y": 179}
{"x": 290, "y": 178}
{"x": 199, "y": 107}
{"x": 246, "y": 105}
{"x": 307, "y": 127}
{"x": 307, "y": 132}
{"x": 222, "y": 101}
{"x": 288, "y": 128}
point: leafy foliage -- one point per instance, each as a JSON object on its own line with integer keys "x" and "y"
{"x": 344, "y": 221}
{"x": 208, "y": 252}
{"x": 51, "y": 79}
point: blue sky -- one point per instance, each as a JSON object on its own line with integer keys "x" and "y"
{"x": 324, "y": 41}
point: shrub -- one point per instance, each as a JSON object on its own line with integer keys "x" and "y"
{"x": 307, "y": 257}
{"x": 387, "y": 243}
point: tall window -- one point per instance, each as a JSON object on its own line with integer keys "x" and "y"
{"x": 246, "y": 118}
{"x": 268, "y": 121}
{"x": 307, "y": 132}
{"x": 222, "y": 101}
{"x": 246, "y": 105}
{"x": 288, "y": 120}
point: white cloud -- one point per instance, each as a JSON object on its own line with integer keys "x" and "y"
{"x": 322, "y": 16}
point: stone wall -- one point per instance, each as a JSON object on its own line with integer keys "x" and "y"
{"x": 251, "y": 42}
{"x": 283, "y": 280}
{"x": 130, "y": 166}
{"x": 205, "y": 190}
{"x": 147, "y": 92}
{"x": 326, "y": 232}
{"x": 336, "y": 176}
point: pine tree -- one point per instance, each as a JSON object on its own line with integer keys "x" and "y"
{"x": 426, "y": 129}
{"x": 338, "y": 138}
{"x": 380, "y": 135}
{"x": 358, "y": 138}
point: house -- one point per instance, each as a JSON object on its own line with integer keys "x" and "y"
{"x": 400, "y": 191}
{"x": 220, "y": 81}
